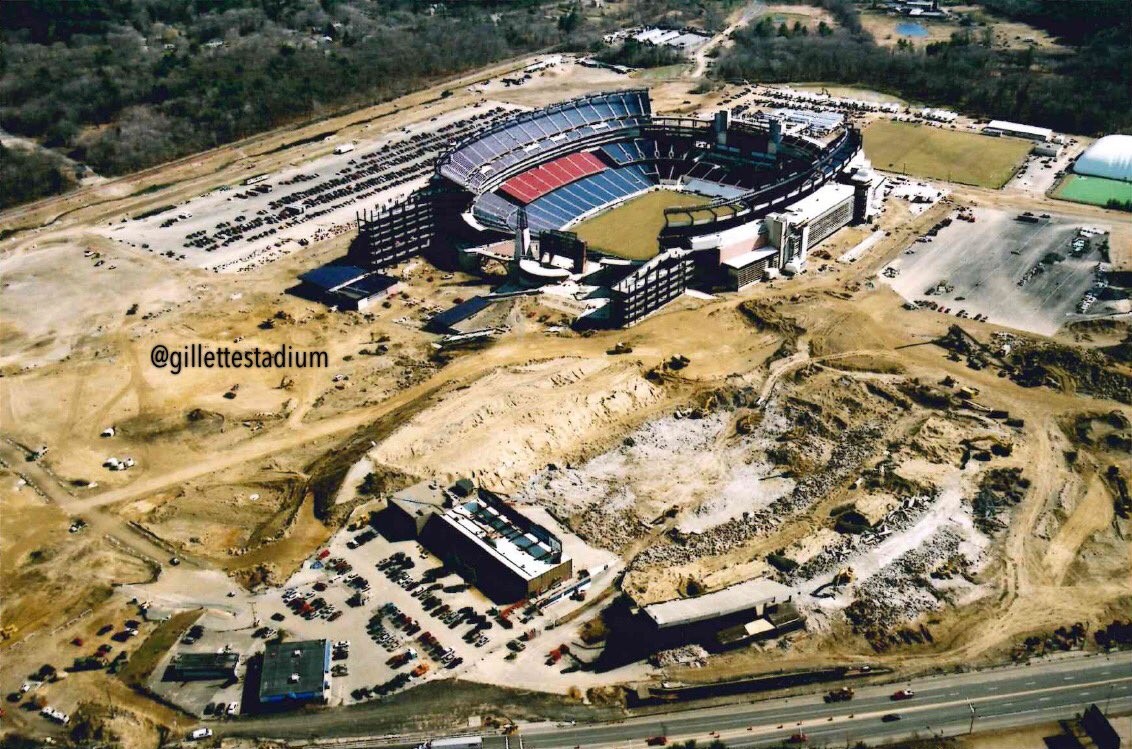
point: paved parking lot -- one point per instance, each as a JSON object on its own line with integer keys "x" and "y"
{"x": 396, "y": 616}
{"x": 262, "y": 217}
{"x": 1000, "y": 267}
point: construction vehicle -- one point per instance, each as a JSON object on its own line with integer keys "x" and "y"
{"x": 844, "y": 694}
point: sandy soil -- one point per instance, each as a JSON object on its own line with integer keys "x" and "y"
{"x": 74, "y": 367}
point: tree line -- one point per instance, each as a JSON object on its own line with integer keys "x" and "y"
{"x": 1087, "y": 92}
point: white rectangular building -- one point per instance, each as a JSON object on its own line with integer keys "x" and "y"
{"x": 1016, "y": 130}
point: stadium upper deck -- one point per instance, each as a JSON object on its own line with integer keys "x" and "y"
{"x": 488, "y": 157}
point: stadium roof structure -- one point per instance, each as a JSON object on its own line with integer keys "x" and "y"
{"x": 1110, "y": 157}
{"x": 817, "y": 203}
{"x": 725, "y": 602}
{"x": 742, "y": 261}
{"x": 294, "y": 670}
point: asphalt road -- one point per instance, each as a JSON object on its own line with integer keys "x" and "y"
{"x": 1001, "y": 698}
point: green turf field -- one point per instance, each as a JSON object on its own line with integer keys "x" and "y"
{"x": 935, "y": 153}
{"x": 1093, "y": 190}
{"x": 629, "y": 230}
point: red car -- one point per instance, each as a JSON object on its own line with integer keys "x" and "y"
{"x": 904, "y": 694}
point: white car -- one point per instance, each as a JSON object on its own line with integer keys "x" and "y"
{"x": 200, "y": 733}
{"x": 233, "y": 709}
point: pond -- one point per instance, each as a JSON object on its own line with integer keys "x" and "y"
{"x": 907, "y": 28}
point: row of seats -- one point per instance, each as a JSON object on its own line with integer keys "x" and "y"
{"x": 544, "y": 178}
{"x": 564, "y": 205}
{"x": 497, "y": 149}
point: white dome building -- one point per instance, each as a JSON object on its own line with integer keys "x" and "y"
{"x": 1110, "y": 157}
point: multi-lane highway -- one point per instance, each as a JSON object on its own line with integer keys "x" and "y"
{"x": 949, "y": 704}
{"x": 995, "y": 699}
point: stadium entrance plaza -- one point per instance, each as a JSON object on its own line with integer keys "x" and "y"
{"x": 232, "y": 616}
{"x": 984, "y": 261}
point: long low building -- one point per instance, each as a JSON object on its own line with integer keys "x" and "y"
{"x": 750, "y": 596}
{"x": 346, "y": 286}
{"x": 1017, "y": 130}
{"x": 202, "y": 666}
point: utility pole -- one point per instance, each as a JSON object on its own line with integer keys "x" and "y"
{"x": 971, "y": 729}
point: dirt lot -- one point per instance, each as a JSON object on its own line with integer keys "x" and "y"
{"x": 806, "y": 388}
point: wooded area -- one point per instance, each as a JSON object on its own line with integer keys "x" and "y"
{"x": 1087, "y": 92}
{"x": 125, "y": 85}
{"x": 121, "y": 85}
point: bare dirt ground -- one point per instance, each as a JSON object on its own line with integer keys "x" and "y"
{"x": 764, "y": 403}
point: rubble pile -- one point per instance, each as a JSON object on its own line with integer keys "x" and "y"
{"x": 885, "y": 602}
{"x": 855, "y": 446}
{"x": 1060, "y": 640}
{"x": 608, "y": 527}
{"x": 1000, "y": 489}
{"x": 1046, "y": 363}
{"x": 835, "y": 555}
{"x": 689, "y": 655}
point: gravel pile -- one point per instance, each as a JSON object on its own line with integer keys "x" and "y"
{"x": 834, "y": 556}
{"x": 856, "y": 445}
{"x": 902, "y": 590}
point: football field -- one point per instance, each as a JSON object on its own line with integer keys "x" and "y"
{"x": 1079, "y": 188}
{"x": 629, "y": 230}
{"x": 936, "y": 153}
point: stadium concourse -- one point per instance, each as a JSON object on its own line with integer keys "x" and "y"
{"x": 512, "y": 190}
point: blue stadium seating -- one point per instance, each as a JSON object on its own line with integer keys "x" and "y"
{"x": 477, "y": 160}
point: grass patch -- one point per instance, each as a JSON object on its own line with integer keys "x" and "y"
{"x": 1079, "y": 188}
{"x": 934, "y": 153}
{"x": 143, "y": 660}
{"x": 664, "y": 73}
{"x": 630, "y": 230}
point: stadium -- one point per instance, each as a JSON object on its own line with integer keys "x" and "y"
{"x": 611, "y": 211}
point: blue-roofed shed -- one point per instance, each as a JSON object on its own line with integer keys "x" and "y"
{"x": 331, "y": 277}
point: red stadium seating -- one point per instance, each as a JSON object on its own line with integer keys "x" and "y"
{"x": 534, "y": 183}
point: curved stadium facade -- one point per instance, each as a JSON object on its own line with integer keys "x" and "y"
{"x": 513, "y": 191}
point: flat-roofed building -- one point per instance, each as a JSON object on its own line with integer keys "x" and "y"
{"x": 746, "y": 269}
{"x": 346, "y": 286}
{"x": 496, "y": 548}
{"x": 1017, "y": 130}
{"x": 202, "y": 667}
{"x": 751, "y": 596}
{"x": 295, "y": 672}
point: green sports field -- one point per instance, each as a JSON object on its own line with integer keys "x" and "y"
{"x": 630, "y": 229}
{"x": 936, "y": 153}
{"x": 1093, "y": 190}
